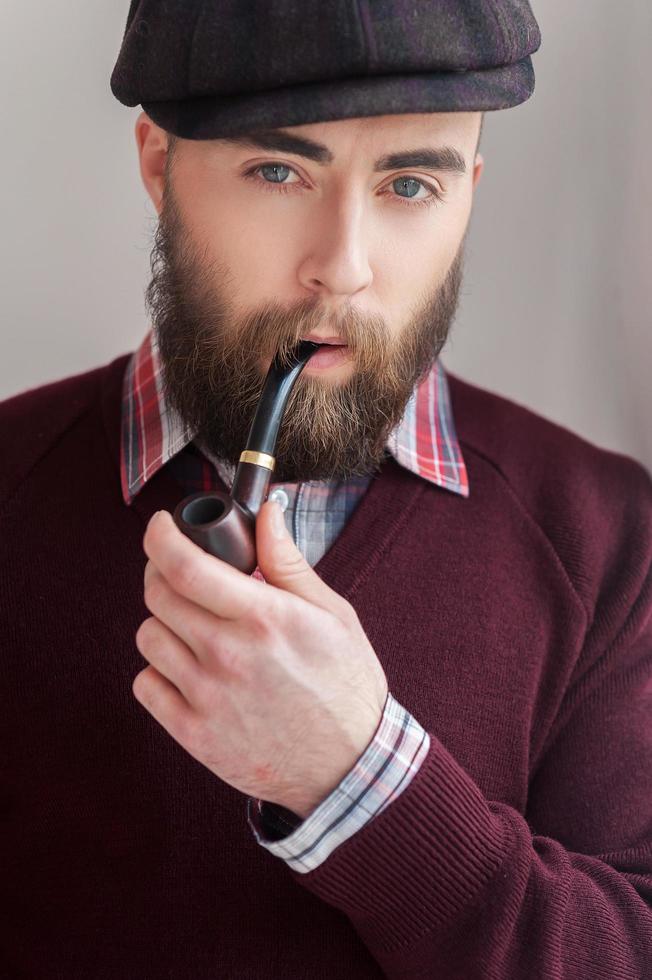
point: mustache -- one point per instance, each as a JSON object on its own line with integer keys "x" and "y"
{"x": 274, "y": 330}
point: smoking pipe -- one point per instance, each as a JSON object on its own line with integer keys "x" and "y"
{"x": 224, "y": 524}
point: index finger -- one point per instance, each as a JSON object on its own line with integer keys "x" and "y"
{"x": 192, "y": 572}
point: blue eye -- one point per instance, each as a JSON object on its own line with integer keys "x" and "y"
{"x": 275, "y": 173}
{"x": 408, "y": 185}
{"x": 405, "y": 188}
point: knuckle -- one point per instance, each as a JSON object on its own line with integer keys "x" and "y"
{"x": 154, "y": 592}
{"x": 260, "y": 614}
{"x": 226, "y": 656}
{"x": 274, "y": 609}
{"x": 184, "y": 575}
{"x": 230, "y": 660}
{"x": 145, "y": 633}
{"x": 201, "y": 692}
{"x": 261, "y": 627}
{"x": 214, "y": 645}
{"x": 140, "y": 685}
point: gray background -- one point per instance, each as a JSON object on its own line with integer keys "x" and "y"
{"x": 555, "y": 311}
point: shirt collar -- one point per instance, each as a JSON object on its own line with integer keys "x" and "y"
{"x": 152, "y": 432}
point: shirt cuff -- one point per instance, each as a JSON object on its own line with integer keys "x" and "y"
{"x": 383, "y": 771}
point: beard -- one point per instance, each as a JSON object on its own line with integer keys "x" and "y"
{"x": 211, "y": 362}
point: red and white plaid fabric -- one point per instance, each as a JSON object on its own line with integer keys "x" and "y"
{"x": 424, "y": 442}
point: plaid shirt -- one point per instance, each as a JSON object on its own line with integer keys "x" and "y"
{"x": 154, "y": 435}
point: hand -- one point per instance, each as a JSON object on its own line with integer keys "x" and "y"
{"x": 273, "y": 685}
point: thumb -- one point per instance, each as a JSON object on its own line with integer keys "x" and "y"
{"x": 281, "y": 562}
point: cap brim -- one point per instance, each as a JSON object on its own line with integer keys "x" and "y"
{"x": 210, "y": 117}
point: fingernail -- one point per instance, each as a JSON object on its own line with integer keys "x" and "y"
{"x": 278, "y": 520}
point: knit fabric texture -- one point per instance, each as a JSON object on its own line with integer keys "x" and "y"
{"x": 514, "y": 624}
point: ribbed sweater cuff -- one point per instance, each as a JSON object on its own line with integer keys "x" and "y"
{"x": 421, "y": 863}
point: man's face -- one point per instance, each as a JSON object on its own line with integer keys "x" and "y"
{"x": 350, "y": 230}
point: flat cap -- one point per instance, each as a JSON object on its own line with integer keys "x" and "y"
{"x": 208, "y": 68}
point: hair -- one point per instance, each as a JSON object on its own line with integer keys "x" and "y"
{"x": 173, "y": 142}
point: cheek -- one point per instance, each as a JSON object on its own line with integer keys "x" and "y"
{"x": 264, "y": 255}
{"x": 413, "y": 255}
{"x": 260, "y": 250}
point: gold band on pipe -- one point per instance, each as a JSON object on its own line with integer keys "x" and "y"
{"x": 260, "y": 459}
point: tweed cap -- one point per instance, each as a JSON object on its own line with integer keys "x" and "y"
{"x": 208, "y": 68}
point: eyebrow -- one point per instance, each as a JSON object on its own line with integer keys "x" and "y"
{"x": 444, "y": 158}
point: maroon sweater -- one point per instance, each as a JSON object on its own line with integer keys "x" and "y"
{"x": 515, "y": 626}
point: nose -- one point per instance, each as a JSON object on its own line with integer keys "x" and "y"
{"x": 336, "y": 259}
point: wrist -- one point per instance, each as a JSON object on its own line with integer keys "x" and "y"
{"x": 304, "y": 803}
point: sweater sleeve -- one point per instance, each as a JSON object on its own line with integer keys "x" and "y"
{"x": 448, "y": 883}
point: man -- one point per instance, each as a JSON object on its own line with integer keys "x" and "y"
{"x": 417, "y": 741}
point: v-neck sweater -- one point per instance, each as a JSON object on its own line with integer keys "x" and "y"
{"x": 514, "y": 624}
